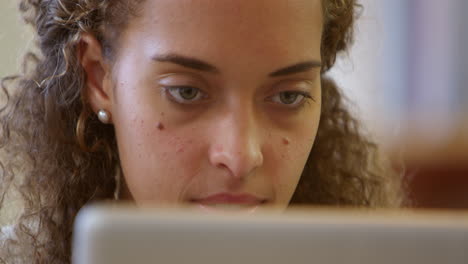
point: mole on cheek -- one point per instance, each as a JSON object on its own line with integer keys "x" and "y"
{"x": 160, "y": 126}
{"x": 286, "y": 141}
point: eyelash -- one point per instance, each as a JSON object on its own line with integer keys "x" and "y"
{"x": 170, "y": 89}
{"x": 305, "y": 98}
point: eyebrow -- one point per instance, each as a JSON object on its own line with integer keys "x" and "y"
{"x": 187, "y": 62}
{"x": 296, "y": 68}
{"x": 200, "y": 65}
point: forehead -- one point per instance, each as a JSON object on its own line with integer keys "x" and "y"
{"x": 250, "y": 27}
{"x": 238, "y": 11}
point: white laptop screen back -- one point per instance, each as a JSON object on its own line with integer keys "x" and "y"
{"x": 112, "y": 235}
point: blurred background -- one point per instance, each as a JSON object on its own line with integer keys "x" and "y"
{"x": 15, "y": 39}
{"x": 406, "y": 77}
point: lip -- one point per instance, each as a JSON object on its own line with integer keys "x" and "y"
{"x": 247, "y": 203}
{"x": 229, "y": 198}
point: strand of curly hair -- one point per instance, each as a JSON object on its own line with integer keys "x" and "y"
{"x": 67, "y": 158}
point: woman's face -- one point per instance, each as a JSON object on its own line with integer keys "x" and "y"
{"x": 216, "y": 103}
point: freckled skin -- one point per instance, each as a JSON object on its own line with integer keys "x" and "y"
{"x": 236, "y": 139}
{"x": 160, "y": 126}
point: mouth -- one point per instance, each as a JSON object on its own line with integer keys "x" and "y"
{"x": 227, "y": 202}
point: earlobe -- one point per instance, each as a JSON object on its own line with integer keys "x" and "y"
{"x": 98, "y": 89}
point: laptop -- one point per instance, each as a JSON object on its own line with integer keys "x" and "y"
{"x": 111, "y": 234}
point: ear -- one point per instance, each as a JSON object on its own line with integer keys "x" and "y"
{"x": 98, "y": 84}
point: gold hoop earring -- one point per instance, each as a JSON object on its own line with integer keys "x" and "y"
{"x": 117, "y": 184}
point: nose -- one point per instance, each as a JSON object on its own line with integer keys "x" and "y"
{"x": 236, "y": 146}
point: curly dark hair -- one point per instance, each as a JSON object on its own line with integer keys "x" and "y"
{"x": 54, "y": 145}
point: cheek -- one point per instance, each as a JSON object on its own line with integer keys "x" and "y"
{"x": 289, "y": 151}
{"x": 159, "y": 159}
{"x": 290, "y": 154}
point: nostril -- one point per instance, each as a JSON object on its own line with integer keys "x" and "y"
{"x": 221, "y": 166}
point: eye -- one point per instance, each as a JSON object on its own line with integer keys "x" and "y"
{"x": 290, "y": 98}
{"x": 184, "y": 94}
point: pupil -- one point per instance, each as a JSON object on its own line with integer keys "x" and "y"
{"x": 188, "y": 93}
{"x": 288, "y": 97}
